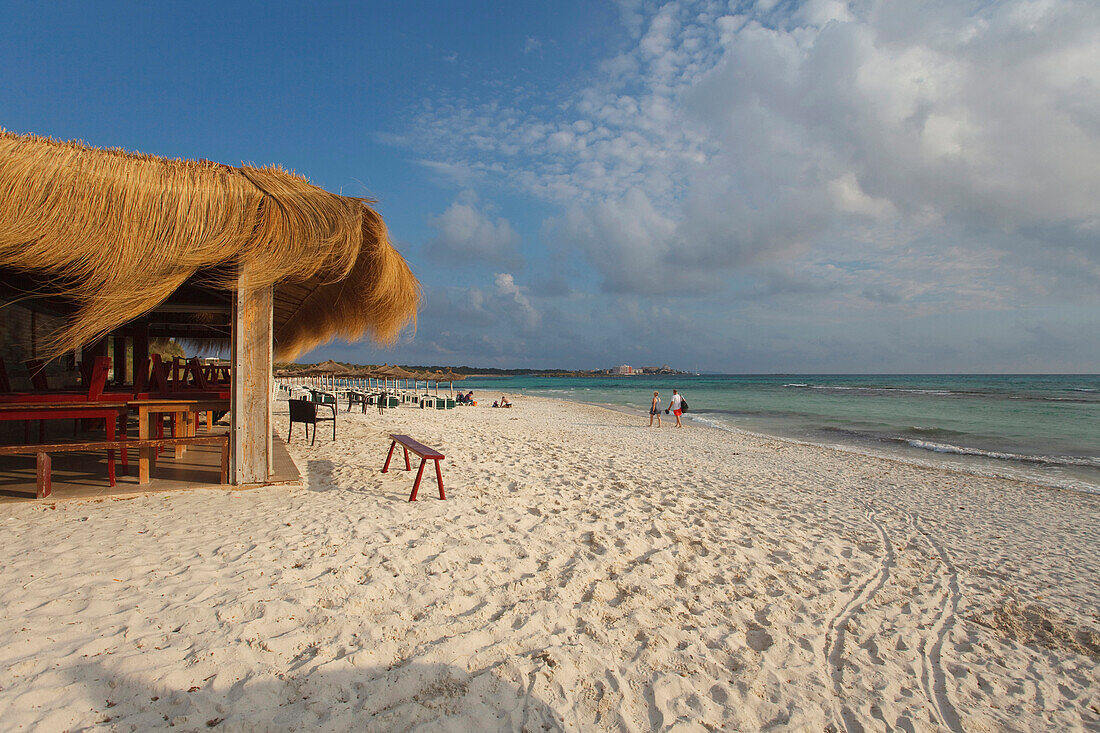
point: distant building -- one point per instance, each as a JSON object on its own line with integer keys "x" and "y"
{"x": 665, "y": 369}
{"x": 623, "y": 369}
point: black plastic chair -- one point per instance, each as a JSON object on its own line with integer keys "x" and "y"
{"x": 304, "y": 411}
{"x": 355, "y": 396}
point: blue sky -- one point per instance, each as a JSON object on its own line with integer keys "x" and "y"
{"x": 768, "y": 186}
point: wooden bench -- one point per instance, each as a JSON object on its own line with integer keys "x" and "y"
{"x": 43, "y": 483}
{"x": 425, "y": 453}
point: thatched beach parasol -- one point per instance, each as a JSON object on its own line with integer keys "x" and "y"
{"x": 421, "y": 376}
{"x": 329, "y": 367}
{"x": 437, "y": 376}
{"x": 450, "y": 377}
{"x": 116, "y": 233}
{"x": 391, "y": 372}
{"x": 400, "y": 373}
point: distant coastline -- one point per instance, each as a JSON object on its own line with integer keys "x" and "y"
{"x": 485, "y": 372}
{"x": 600, "y": 374}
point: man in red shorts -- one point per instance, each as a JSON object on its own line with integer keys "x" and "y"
{"x": 674, "y": 405}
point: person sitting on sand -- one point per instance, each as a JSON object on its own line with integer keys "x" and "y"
{"x": 655, "y": 409}
{"x": 504, "y": 401}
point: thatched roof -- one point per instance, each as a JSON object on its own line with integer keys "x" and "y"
{"x": 367, "y": 371}
{"x": 118, "y": 232}
{"x": 327, "y": 367}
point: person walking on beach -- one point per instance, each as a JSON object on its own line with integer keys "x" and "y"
{"x": 655, "y": 410}
{"x": 674, "y": 405}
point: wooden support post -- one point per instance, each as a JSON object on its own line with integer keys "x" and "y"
{"x": 250, "y": 456}
{"x": 179, "y": 421}
{"x": 44, "y": 484}
{"x": 147, "y": 455}
{"x": 111, "y": 451}
{"x": 141, "y": 357}
{"x": 119, "y": 360}
{"x": 225, "y": 462}
{"x": 123, "y": 418}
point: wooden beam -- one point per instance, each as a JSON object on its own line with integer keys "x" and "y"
{"x": 140, "y": 367}
{"x": 119, "y": 360}
{"x": 191, "y": 308}
{"x": 250, "y": 437}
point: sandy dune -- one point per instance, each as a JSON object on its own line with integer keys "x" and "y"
{"x": 585, "y": 573}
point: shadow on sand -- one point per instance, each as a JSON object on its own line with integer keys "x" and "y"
{"x": 426, "y": 697}
{"x": 393, "y": 486}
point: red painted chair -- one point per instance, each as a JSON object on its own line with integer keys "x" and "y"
{"x": 158, "y": 375}
{"x": 97, "y": 378}
{"x": 194, "y": 370}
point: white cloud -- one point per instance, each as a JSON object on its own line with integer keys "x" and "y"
{"x": 506, "y": 287}
{"x": 821, "y": 12}
{"x": 989, "y": 114}
{"x": 459, "y": 173}
{"x": 849, "y": 197}
{"x": 903, "y": 155}
{"x": 468, "y": 236}
{"x": 635, "y": 247}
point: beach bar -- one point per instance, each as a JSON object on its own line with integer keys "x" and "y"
{"x": 104, "y": 251}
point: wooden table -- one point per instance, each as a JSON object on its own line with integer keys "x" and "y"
{"x": 109, "y": 412}
{"x": 151, "y": 410}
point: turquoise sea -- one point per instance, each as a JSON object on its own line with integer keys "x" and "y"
{"x": 1040, "y": 428}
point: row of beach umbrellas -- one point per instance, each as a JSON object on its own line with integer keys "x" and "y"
{"x": 385, "y": 372}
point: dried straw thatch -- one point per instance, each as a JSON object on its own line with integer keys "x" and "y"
{"x": 327, "y": 367}
{"x": 118, "y": 232}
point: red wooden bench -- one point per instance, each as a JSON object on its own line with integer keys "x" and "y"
{"x": 44, "y": 483}
{"x": 425, "y": 453}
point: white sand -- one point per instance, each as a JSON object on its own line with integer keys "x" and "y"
{"x": 585, "y": 573}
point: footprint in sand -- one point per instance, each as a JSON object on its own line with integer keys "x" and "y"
{"x": 759, "y": 640}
